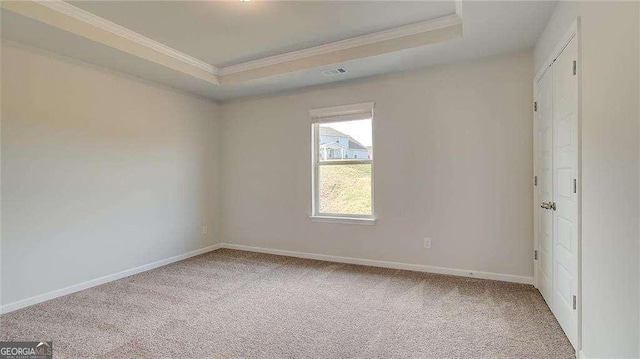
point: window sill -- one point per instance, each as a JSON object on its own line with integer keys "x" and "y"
{"x": 344, "y": 220}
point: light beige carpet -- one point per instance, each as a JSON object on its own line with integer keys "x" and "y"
{"x": 239, "y": 304}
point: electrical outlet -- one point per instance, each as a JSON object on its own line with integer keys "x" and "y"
{"x": 205, "y": 230}
{"x": 426, "y": 243}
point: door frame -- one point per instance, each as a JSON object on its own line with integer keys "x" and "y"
{"x": 573, "y": 31}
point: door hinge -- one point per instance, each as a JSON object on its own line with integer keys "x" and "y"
{"x": 575, "y": 185}
{"x": 575, "y": 302}
{"x": 535, "y": 180}
{"x": 575, "y": 67}
{"x": 535, "y": 106}
{"x": 535, "y": 254}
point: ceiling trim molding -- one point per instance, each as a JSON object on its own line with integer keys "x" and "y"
{"x": 368, "y": 39}
{"x": 81, "y": 23}
{"x": 443, "y": 34}
{"x": 70, "y": 18}
{"x": 104, "y": 24}
{"x": 459, "y": 8}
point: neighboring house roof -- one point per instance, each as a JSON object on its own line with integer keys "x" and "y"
{"x": 328, "y": 131}
{"x": 353, "y": 143}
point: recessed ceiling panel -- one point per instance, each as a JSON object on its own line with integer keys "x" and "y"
{"x": 231, "y": 32}
{"x": 490, "y": 28}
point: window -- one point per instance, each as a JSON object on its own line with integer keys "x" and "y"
{"x": 342, "y": 156}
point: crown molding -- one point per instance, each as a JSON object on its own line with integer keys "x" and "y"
{"x": 104, "y": 24}
{"x": 459, "y": 8}
{"x": 368, "y": 39}
{"x": 70, "y": 18}
{"x": 450, "y": 29}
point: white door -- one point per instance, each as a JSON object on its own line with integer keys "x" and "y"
{"x": 565, "y": 197}
{"x": 544, "y": 186}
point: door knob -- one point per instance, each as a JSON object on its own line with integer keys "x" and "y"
{"x": 548, "y": 205}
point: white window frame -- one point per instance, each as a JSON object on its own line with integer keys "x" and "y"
{"x": 338, "y": 114}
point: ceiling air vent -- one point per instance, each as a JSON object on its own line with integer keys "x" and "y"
{"x": 334, "y": 72}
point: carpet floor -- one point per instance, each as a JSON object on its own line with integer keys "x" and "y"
{"x": 230, "y": 304}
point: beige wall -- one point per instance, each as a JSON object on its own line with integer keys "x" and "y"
{"x": 453, "y": 161}
{"x": 100, "y": 173}
{"x": 94, "y": 162}
{"x": 610, "y": 171}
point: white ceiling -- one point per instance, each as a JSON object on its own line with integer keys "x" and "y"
{"x": 227, "y": 33}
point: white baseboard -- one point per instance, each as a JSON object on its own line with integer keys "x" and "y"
{"x": 102, "y": 280}
{"x": 384, "y": 264}
{"x": 323, "y": 257}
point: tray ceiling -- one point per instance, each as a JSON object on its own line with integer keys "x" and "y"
{"x": 225, "y": 50}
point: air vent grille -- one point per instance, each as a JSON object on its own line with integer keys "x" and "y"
{"x": 334, "y": 72}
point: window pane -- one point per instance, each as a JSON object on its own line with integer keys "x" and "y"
{"x": 349, "y": 140}
{"x": 345, "y": 189}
